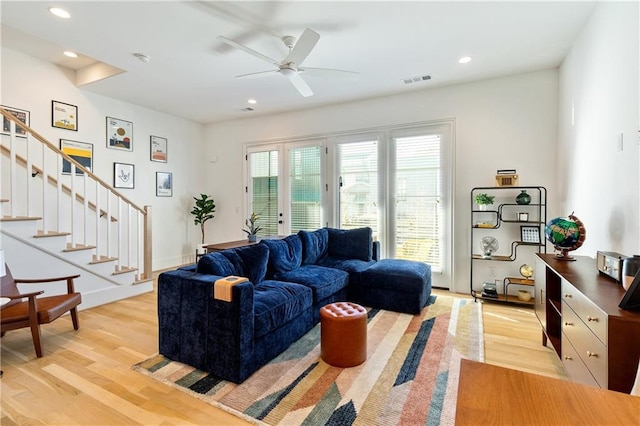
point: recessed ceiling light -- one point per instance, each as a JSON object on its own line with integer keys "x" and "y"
{"x": 60, "y": 13}
{"x": 464, "y": 60}
{"x": 70, "y": 54}
{"x": 252, "y": 101}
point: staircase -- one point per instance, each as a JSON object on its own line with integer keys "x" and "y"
{"x": 54, "y": 223}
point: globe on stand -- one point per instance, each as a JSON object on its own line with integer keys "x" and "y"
{"x": 566, "y": 234}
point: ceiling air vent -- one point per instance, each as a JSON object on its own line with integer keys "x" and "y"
{"x": 416, "y": 79}
{"x": 247, "y": 109}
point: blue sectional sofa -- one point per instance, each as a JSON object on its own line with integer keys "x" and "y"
{"x": 289, "y": 280}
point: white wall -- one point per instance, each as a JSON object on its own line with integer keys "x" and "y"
{"x": 508, "y": 122}
{"x": 31, "y": 84}
{"x": 599, "y": 95}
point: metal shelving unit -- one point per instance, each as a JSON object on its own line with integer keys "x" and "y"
{"x": 502, "y": 217}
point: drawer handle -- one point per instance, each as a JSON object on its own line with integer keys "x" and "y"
{"x": 568, "y": 358}
{"x": 568, "y": 324}
{"x": 568, "y": 295}
{"x": 592, "y": 354}
{"x": 594, "y": 319}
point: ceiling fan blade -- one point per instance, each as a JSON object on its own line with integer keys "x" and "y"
{"x": 258, "y": 74}
{"x": 248, "y": 50}
{"x": 303, "y": 47}
{"x": 328, "y": 72}
{"x": 300, "y": 85}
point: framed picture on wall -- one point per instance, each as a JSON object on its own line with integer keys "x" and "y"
{"x": 82, "y": 152}
{"x": 123, "y": 175}
{"x": 64, "y": 116}
{"x": 22, "y": 116}
{"x": 530, "y": 234}
{"x": 158, "y": 149}
{"x": 164, "y": 184}
{"x": 119, "y": 134}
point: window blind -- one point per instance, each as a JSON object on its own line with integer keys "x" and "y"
{"x": 306, "y": 188}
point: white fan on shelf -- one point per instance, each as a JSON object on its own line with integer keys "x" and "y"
{"x": 290, "y": 65}
{"x": 489, "y": 246}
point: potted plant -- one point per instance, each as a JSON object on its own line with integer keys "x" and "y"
{"x": 483, "y": 200}
{"x": 203, "y": 211}
{"x": 253, "y": 229}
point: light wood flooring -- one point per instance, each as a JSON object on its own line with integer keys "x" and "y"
{"x": 86, "y": 378}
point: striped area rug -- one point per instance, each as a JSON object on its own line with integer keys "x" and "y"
{"x": 410, "y": 376}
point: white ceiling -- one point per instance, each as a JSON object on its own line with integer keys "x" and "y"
{"x": 191, "y": 74}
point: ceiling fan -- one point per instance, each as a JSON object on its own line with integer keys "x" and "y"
{"x": 290, "y": 65}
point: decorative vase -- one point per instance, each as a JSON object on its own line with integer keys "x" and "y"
{"x": 483, "y": 207}
{"x": 630, "y": 267}
{"x": 252, "y": 238}
{"x": 524, "y": 295}
{"x": 523, "y": 198}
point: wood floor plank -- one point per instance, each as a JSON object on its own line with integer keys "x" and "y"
{"x": 85, "y": 377}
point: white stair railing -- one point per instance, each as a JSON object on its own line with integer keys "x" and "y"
{"x": 72, "y": 203}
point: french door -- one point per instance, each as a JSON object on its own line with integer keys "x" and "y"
{"x": 398, "y": 182}
{"x": 285, "y": 186}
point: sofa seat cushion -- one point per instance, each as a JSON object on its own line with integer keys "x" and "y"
{"x": 315, "y": 245}
{"x": 284, "y": 254}
{"x": 276, "y": 303}
{"x": 399, "y": 275}
{"x": 348, "y": 265}
{"x": 323, "y": 281}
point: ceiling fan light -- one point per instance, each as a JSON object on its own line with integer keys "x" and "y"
{"x": 288, "y": 72}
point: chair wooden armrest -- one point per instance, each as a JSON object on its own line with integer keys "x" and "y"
{"x": 23, "y": 295}
{"x": 69, "y": 279}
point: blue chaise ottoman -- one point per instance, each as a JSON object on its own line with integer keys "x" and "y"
{"x": 396, "y": 285}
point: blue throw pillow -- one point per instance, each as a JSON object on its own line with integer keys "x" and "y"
{"x": 351, "y": 243}
{"x": 253, "y": 261}
{"x": 314, "y": 245}
{"x": 216, "y": 264}
{"x": 284, "y": 254}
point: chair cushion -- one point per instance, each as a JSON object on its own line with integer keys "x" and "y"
{"x": 323, "y": 281}
{"x": 284, "y": 254}
{"x": 351, "y": 243}
{"x": 276, "y": 303}
{"x": 314, "y": 245}
{"x": 216, "y": 264}
{"x": 49, "y": 308}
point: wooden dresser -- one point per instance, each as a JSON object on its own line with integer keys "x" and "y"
{"x": 597, "y": 342}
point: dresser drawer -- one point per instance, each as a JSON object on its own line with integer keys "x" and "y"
{"x": 590, "y": 314}
{"x": 589, "y": 348}
{"x": 573, "y": 365}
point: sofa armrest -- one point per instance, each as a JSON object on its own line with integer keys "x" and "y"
{"x": 198, "y": 330}
{"x": 376, "y": 251}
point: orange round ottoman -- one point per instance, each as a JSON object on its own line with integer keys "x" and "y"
{"x": 343, "y": 334}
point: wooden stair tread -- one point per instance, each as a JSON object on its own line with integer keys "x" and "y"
{"x": 18, "y": 218}
{"x": 78, "y": 247}
{"x": 124, "y": 270}
{"x": 102, "y": 259}
{"x": 42, "y": 234}
{"x": 4, "y": 200}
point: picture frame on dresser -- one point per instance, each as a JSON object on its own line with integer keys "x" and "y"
{"x": 631, "y": 299}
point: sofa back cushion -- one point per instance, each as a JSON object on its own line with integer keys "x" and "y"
{"x": 216, "y": 264}
{"x": 351, "y": 243}
{"x": 315, "y": 245}
{"x": 249, "y": 261}
{"x": 284, "y": 254}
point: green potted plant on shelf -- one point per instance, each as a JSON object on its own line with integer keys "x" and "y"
{"x": 203, "y": 211}
{"x": 484, "y": 200}
{"x": 253, "y": 229}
